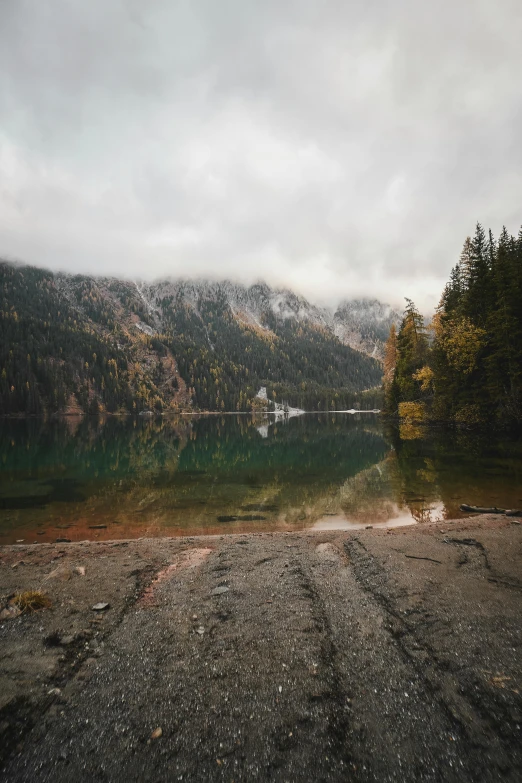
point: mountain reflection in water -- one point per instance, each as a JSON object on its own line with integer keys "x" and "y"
{"x": 124, "y": 477}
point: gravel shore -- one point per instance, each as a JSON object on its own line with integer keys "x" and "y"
{"x": 366, "y": 656}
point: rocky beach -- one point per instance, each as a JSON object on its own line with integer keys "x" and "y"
{"x": 371, "y": 655}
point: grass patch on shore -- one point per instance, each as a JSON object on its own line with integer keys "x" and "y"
{"x": 32, "y": 601}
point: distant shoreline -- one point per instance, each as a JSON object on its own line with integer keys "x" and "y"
{"x": 168, "y": 414}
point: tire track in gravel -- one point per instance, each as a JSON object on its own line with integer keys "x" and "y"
{"x": 470, "y": 709}
{"x": 242, "y": 683}
{"x": 394, "y": 734}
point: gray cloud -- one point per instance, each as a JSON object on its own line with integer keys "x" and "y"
{"x": 342, "y": 148}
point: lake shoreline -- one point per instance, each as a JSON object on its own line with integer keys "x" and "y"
{"x": 314, "y": 655}
{"x": 168, "y": 414}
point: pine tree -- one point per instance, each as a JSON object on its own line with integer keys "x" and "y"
{"x": 503, "y": 362}
{"x": 412, "y": 349}
{"x": 476, "y": 296}
{"x": 451, "y": 299}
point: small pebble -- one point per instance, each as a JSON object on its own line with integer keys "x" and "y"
{"x": 66, "y": 640}
{"x": 219, "y": 590}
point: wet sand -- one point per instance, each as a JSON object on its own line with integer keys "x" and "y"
{"x": 373, "y": 655}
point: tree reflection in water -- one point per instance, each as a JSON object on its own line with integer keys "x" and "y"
{"x": 225, "y": 474}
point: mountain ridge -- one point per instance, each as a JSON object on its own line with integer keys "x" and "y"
{"x": 77, "y": 343}
{"x": 362, "y": 323}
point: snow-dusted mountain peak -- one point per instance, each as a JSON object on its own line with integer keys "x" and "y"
{"x": 363, "y": 324}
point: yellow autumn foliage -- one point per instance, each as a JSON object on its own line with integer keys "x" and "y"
{"x": 410, "y": 431}
{"x": 461, "y": 341}
{"x": 425, "y": 376}
{"x": 412, "y": 411}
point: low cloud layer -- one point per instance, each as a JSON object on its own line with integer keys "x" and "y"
{"x": 341, "y": 148}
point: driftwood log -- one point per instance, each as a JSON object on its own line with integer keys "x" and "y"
{"x": 482, "y": 510}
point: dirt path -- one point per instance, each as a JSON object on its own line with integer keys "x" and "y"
{"x": 291, "y": 657}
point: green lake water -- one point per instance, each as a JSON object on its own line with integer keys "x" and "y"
{"x": 83, "y": 478}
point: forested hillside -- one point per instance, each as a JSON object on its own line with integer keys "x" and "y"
{"x": 226, "y": 360}
{"x": 68, "y": 344}
{"x": 467, "y": 366}
{"x": 76, "y": 343}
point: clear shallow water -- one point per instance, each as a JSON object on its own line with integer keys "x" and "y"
{"x": 88, "y": 479}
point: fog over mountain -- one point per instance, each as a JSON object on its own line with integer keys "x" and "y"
{"x": 340, "y": 149}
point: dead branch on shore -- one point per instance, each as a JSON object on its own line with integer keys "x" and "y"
{"x": 493, "y": 510}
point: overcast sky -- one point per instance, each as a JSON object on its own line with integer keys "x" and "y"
{"x": 342, "y": 148}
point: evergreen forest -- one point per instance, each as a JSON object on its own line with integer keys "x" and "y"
{"x": 465, "y": 367}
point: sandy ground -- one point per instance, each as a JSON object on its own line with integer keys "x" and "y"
{"x": 332, "y": 656}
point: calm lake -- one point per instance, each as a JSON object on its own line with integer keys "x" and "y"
{"x": 84, "y": 478}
